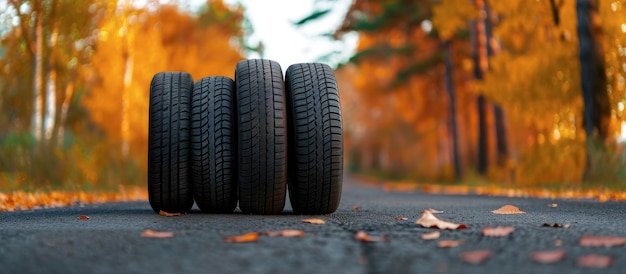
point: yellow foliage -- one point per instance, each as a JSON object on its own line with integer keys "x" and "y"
{"x": 452, "y": 15}
{"x": 149, "y": 42}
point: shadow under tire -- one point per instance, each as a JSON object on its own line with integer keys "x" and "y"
{"x": 169, "y": 187}
{"x": 315, "y": 175}
{"x": 213, "y": 144}
{"x": 262, "y": 136}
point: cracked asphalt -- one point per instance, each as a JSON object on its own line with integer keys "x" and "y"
{"x": 56, "y": 241}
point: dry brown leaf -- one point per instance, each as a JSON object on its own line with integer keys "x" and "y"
{"x": 356, "y": 208}
{"x": 285, "y": 233}
{"x": 434, "y": 211}
{"x": 602, "y": 241}
{"x": 364, "y": 237}
{"x": 476, "y": 256}
{"x": 547, "y": 257}
{"x": 432, "y": 235}
{"x": 149, "y": 233}
{"x": 401, "y": 218}
{"x": 508, "y": 209}
{"x": 556, "y": 225}
{"x": 430, "y": 221}
{"x": 450, "y": 243}
{"x": 244, "y": 238}
{"x": 168, "y": 214}
{"x": 553, "y": 205}
{"x": 83, "y": 217}
{"x": 314, "y": 221}
{"x": 595, "y": 260}
{"x": 498, "y": 231}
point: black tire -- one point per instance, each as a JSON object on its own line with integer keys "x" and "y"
{"x": 168, "y": 142}
{"x": 315, "y": 139}
{"x": 262, "y": 136}
{"x": 213, "y": 144}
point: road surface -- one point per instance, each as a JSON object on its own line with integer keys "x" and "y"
{"x": 57, "y": 241}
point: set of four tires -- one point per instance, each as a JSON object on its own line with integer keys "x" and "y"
{"x": 222, "y": 142}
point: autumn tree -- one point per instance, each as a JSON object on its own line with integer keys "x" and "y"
{"x": 75, "y": 78}
{"x": 135, "y": 43}
{"x": 414, "y": 95}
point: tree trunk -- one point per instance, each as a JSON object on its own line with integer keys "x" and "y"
{"x": 502, "y": 147}
{"x": 596, "y": 111}
{"x": 479, "y": 55}
{"x": 37, "y": 114}
{"x": 456, "y": 159}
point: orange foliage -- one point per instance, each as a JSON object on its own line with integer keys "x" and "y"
{"x": 138, "y": 43}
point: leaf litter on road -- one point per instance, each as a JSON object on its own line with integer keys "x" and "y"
{"x": 83, "y": 217}
{"x": 364, "y": 237}
{"x": 285, "y": 233}
{"x": 314, "y": 221}
{"x": 498, "y": 231}
{"x": 168, "y": 214}
{"x": 602, "y": 241}
{"x": 149, "y": 233}
{"x": 243, "y": 238}
{"x": 508, "y": 209}
{"x": 547, "y": 257}
{"x": 431, "y": 235}
{"x": 595, "y": 261}
{"x": 476, "y": 256}
{"x": 429, "y": 220}
{"x": 557, "y": 225}
{"x": 450, "y": 243}
{"x": 434, "y": 211}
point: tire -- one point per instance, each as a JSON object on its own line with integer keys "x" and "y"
{"x": 168, "y": 142}
{"x": 315, "y": 139}
{"x": 262, "y": 136}
{"x": 213, "y": 144}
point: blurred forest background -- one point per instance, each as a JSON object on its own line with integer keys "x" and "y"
{"x": 515, "y": 93}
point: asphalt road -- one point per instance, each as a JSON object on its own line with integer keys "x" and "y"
{"x": 57, "y": 241}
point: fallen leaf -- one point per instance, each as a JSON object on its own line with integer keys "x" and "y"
{"x": 556, "y": 225}
{"x": 83, "y": 217}
{"x": 599, "y": 241}
{"x": 553, "y": 205}
{"x": 434, "y": 211}
{"x": 401, "y": 218}
{"x": 244, "y": 238}
{"x": 429, "y": 220}
{"x": 558, "y": 243}
{"x": 364, "y": 237}
{"x": 168, "y": 214}
{"x": 432, "y": 235}
{"x": 449, "y": 243}
{"x": 475, "y": 256}
{"x": 508, "y": 209}
{"x": 356, "y": 208}
{"x": 285, "y": 233}
{"x": 498, "y": 231}
{"x": 594, "y": 260}
{"x": 148, "y": 233}
{"x": 547, "y": 257}
{"x": 314, "y": 221}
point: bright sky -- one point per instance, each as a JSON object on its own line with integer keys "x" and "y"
{"x": 287, "y": 44}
